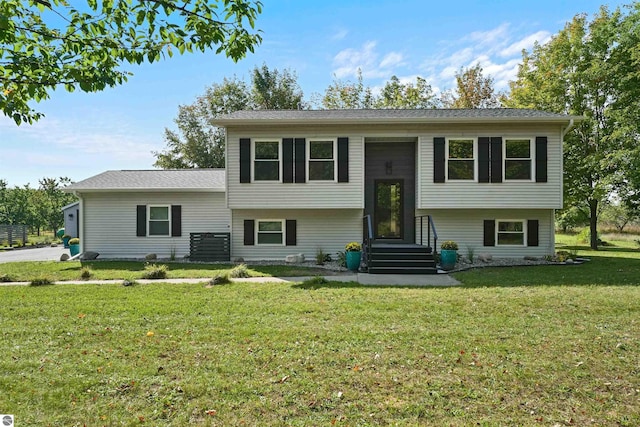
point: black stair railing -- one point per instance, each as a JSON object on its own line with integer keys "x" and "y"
{"x": 367, "y": 239}
{"x": 431, "y": 232}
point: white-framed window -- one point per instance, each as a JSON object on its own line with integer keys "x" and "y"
{"x": 159, "y": 223}
{"x": 266, "y": 160}
{"x": 461, "y": 159}
{"x": 518, "y": 159}
{"x": 511, "y": 232}
{"x": 270, "y": 232}
{"x": 322, "y": 159}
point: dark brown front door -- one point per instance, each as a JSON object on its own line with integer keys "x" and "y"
{"x": 388, "y": 215}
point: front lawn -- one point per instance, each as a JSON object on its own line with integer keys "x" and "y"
{"x": 334, "y": 354}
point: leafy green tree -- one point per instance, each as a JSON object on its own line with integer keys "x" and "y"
{"x": 473, "y": 90}
{"x": 341, "y": 95}
{"x": 397, "y": 95}
{"x": 45, "y": 44}
{"x": 198, "y": 143}
{"x": 52, "y": 199}
{"x": 587, "y": 69}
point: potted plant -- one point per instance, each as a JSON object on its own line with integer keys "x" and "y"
{"x": 65, "y": 240}
{"x": 353, "y": 255}
{"x": 74, "y": 246}
{"x": 448, "y": 254}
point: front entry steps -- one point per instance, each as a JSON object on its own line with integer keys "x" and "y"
{"x": 390, "y": 258}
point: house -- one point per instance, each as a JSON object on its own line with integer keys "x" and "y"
{"x": 71, "y": 217}
{"x": 128, "y": 214}
{"x": 302, "y": 181}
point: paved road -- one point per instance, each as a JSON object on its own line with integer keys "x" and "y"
{"x": 38, "y": 254}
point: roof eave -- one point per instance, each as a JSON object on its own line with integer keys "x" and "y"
{"x": 146, "y": 190}
{"x": 401, "y": 120}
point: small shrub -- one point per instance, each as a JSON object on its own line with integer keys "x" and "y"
{"x": 470, "y": 253}
{"x": 172, "y": 254}
{"x": 86, "y": 273}
{"x": 41, "y": 281}
{"x": 155, "y": 271}
{"x": 316, "y": 280}
{"x": 320, "y": 256}
{"x": 220, "y": 279}
{"x": 584, "y": 236}
{"x": 5, "y": 278}
{"x": 342, "y": 259}
{"x": 239, "y": 271}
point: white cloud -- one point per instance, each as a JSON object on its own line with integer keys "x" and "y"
{"x": 348, "y": 61}
{"x": 340, "y": 35}
{"x": 525, "y": 43}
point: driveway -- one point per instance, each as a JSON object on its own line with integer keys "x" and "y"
{"x": 37, "y": 254}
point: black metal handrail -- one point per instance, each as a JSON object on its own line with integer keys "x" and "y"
{"x": 367, "y": 239}
{"x": 431, "y": 229}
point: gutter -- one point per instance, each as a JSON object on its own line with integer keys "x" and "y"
{"x": 568, "y": 128}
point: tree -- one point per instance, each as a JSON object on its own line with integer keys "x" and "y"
{"x": 342, "y": 95}
{"x": 408, "y": 95}
{"x": 45, "y": 44}
{"x": 473, "y": 90}
{"x": 198, "y": 142}
{"x": 579, "y": 72}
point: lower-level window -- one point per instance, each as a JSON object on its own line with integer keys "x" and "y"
{"x": 159, "y": 221}
{"x": 510, "y": 233}
{"x": 270, "y": 232}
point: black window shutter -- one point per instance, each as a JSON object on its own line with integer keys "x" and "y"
{"x": 176, "y": 220}
{"x": 483, "y": 159}
{"x": 249, "y": 232}
{"x": 541, "y": 159}
{"x": 489, "y": 232}
{"x": 438, "y": 159}
{"x": 287, "y": 160}
{"x": 343, "y": 159}
{"x": 496, "y": 159}
{"x": 141, "y": 220}
{"x": 301, "y": 160}
{"x": 245, "y": 160}
{"x": 532, "y": 232}
{"x": 291, "y": 232}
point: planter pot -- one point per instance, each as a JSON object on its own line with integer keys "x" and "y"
{"x": 65, "y": 241}
{"x": 448, "y": 259}
{"x": 74, "y": 249}
{"x": 353, "y": 260}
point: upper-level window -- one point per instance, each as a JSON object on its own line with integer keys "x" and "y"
{"x": 322, "y": 160}
{"x": 266, "y": 161}
{"x": 510, "y": 233}
{"x": 159, "y": 221}
{"x": 517, "y": 159}
{"x": 461, "y": 159}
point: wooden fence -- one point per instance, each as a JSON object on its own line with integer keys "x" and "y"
{"x": 210, "y": 246}
{"x": 9, "y": 234}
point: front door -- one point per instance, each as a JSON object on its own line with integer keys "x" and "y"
{"x": 390, "y": 188}
{"x": 387, "y": 215}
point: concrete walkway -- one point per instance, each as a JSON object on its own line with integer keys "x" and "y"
{"x": 362, "y": 278}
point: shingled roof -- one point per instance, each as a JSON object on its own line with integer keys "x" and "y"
{"x": 212, "y": 180}
{"x": 475, "y": 115}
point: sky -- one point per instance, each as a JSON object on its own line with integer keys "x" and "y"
{"x": 84, "y": 134}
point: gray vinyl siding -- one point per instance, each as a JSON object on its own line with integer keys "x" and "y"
{"x": 466, "y": 227}
{"x": 110, "y": 222}
{"x": 327, "y": 229}
{"x": 311, "y": 194}
{"x": 429, "y": 195}
{"x": 506, "y": 194}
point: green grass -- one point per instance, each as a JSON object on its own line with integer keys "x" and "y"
{"x": 320, "y": 354}
{"x": 104, "y": 270}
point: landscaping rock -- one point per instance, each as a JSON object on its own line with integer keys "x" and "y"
{"x": 569, "y": 261}
{"x": 294, "y": 259}
{"x": 64, "y": 257}
{"x": 89, "y": 255}
{"x": 484, "y": 257}
{"x": 238, "y": 260}
{"x": 54, "y": 245}
{"x": 150, "y": 257}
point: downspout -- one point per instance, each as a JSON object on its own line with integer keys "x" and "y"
{"x": 81, "y": 224}
{"x": 564, "y": 132}
{"x": 568, "y": 128}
